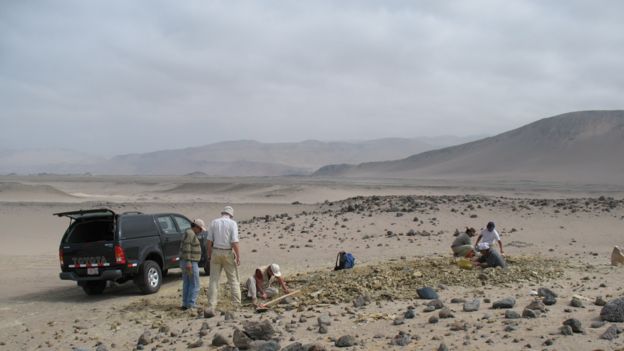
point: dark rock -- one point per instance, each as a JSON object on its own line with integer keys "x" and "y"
{"x": 611, "y": 332}
{"x": 258, "y": 330}
{"x": 511, "y": 314}
{"x": 472, "y": 306}
{"x": 219, "y": 340}
{"x": 437, "y": 304}
{"x": 442, "y": 347}
{"x": 398, "y": 321}
{"x": 508, "y": 302}
{"x": 229, "y": 316}
{"x": 345, "y": 341}
{"x": 241, "y": 340}
{"x": 409, "y": 314}
{"x": 145, "y": 338}
{"x": 323, "y": 329}
{"x": 433, "y": 319}
{"x": 543, "y": 292}
{"x": 296, "y": 346}
{"x": 445, "y": 313}
{"x": 576, "y": 302}
{"x": 196, "y": 344}
{"x": 314, "y": 347}
{"x": 429, "y": 309}
{"x": 549, "y": 300}
{"x": 361, "y": 301}
{"x": 457, "y": 300}
{"x": 209, "y": 313}
{"x": 600, "y": 301}
{"x": 164, "y": 329}
{"x": 575, "y": 324}
{"x": 101, "y": 347}
{"x": 262, "y": 345}
{"x": 613, "y": 311}
{"x": 537, "y": 306}
{"x": 458, "y": 326}
{"x": 566, "y": 330}
{"x": 527, "y": 313}
{"x": 401, "y": 339}
{"x": 427, "y": 293}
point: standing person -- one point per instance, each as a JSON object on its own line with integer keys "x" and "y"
{"x": 259, "y": 284}
{"x": 224, "y": 254}
{"x": 489, "y": 235}
{"x": 462, "y": 245}
{"x": 190, "y": 254}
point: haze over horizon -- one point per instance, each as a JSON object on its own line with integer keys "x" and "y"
{"x": 115, "y": 77}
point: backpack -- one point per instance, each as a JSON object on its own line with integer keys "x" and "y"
{"x": 344, "y": 260}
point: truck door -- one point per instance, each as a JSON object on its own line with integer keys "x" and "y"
{"x": 171, "y": 238}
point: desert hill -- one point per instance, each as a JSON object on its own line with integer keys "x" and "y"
{"x": 584, "y": 146}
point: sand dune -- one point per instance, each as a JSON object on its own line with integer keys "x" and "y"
{"x": 14, "y": 191}
{"x": 585, "y": 147}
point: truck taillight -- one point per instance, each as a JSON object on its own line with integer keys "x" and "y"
{"x": 120, "y": 256}
{"x": 61, "y": 256}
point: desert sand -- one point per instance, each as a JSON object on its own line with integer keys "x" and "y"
{"x": 556, "y": 236}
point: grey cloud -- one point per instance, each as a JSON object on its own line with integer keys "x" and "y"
{"x": 118, "y": 76}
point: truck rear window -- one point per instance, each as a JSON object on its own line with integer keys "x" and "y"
{"x": 91, "y": 231}
{"x": 138, "y": 226}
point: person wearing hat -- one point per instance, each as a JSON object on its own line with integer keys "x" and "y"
{"x": 489, "y": 235}
{"x": 489, "y": 258}
{"x": 259, "y": 284}
{"x": 223, "y": 251}
{"x": 190, "y": 254}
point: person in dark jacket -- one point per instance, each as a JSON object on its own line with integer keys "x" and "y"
{"x": 190, "y": 254}
{"x": 462, "y": 245}
{"x": 489, "y": 258}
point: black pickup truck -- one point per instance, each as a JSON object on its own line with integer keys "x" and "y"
{"x": 100, "y": 246}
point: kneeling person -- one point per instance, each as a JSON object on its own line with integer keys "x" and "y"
{"x": 259, "y": 284}
{"x": 489, "y": 258}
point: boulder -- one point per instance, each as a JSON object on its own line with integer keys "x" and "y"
{"x": 427, "y": 293}
{"x": 574, "y": 324}
{"x": 345, "y": 341}
{"x": 259, "y": 330}
{"x": 508, "y": 302}
{"x": 613, "y": 311}
{"x": 472, "y": 306}
{"x": 240, "y": 339}
{"x": 611, "y": 332}
{"x": 219, "y": 340}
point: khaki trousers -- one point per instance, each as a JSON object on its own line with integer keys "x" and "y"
{"x": 223, "y": 260}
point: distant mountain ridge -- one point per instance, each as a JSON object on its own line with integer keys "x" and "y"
{"x": 585, "y": 146}
{"x": 230, "y": 158}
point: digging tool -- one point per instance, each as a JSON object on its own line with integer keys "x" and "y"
{"x": 265, "y": 306}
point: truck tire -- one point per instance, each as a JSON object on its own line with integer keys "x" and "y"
{"x": 149, "y": 278}
{"x": 94, "y": 287}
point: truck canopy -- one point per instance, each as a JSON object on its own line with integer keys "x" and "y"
{"x": 98, "y": 212}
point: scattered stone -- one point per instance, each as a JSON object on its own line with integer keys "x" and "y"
{"x": 409, "y": 314}
{"x": 219, "y": 340}
{"x": 458, "y": 326}
{"x": 442, "y": 347}
{"x": 209, "y": 313}
{"x": 164, "y": 329}
{"x": 445, "y": 313}
{"x": 145, "y": 338}
{"x": 429, "y": 309}
{"x": 296, "y": 346}
{"x": 240, "y": 339}
{"x": 508, "y": 302}
{"x": 597, "y": 324}
{"x": 196, "y": 344}
{"x": 549, "y": 300}
{"x": 543, "y": 292}
{"x": 398, "y": 321}
{"x": 566, "y": 330}
{"x": 472, "y": 306}
{"x": 537, "y": 305}
{"x": 600, "y": 301}
{"x": 457, "y": 300}
{"x": 427, "y": 293}
{"x": 262, "y": 345}
{"x": 527, "y": 313}
{"x": 611, "y": 332}
{"x": 324, "y": 320}
{"x": 323, "y": 329}
{"x": 314, "y": 347}
{"x": 361, "y": 301}
{"x": 511, "y": 314}
{"x": 576, "y": 302}
{"x": 258, "y": 330}
{"x": 101, "y": 347}
{"x": 401, "y": 339}
{"x": 433, "y": 319}
{"x": 345, "y": 341}
{"x": 229, "y": 316}
{"x": 575, "y": 324}
{"x": 613, "y": 311}
{"x": 437, "y": 304}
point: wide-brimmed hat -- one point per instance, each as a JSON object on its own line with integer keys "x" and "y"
{"x": 275, "y": 269}
{"x": 200, "y": 223}
{"x": 228, "y": 210}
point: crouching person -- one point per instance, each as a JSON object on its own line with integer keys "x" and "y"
{"x": 259, "y": 284}
{"x": 462, "y": 245}
{"x": 489, "y": 258}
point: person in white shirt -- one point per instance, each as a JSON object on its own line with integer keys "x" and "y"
{"x": 259, "y": 284}
{"x": 223, "y": 251}
{"x": 489, "y": 235}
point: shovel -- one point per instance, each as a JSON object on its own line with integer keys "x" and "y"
{"x": 265, "y": 306}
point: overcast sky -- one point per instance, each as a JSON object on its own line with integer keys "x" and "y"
{"x": 113, "y": 77}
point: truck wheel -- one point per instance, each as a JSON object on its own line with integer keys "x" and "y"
{"x": 94, "y": 287}
{"x": 149, "y": 278}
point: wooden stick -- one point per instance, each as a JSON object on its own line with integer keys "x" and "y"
{"x": 272, "y": 302}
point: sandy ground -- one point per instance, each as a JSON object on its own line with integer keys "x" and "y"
{"x": 571, "y": 224}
